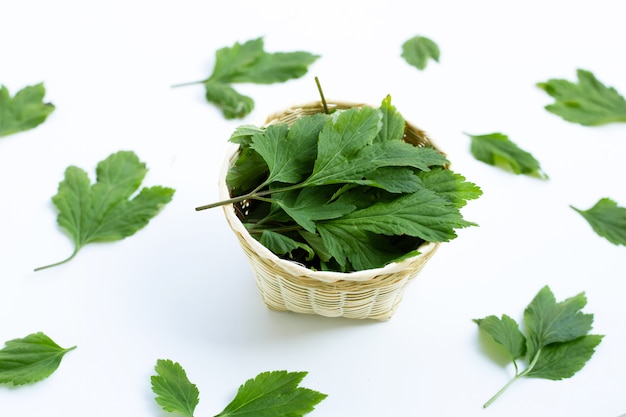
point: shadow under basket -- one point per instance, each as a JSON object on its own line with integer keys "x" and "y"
{"x": 288, "y": 286}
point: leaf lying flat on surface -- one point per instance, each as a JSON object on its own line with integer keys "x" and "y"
{"x": 105, "y": 211}
{"x": 498, "y": 150}
{"x": 174, "y": 392}
{"x": 273, "y": 394}
{"x": 588, "y": 102}
{"x": 26, "y": 110}
{"x": 418, "y": 50}
{"x": 557, "y": 344}
{"x": 248, "y": 62}
{"x": 30, "y": 359}
{"x": 607, "y": 219}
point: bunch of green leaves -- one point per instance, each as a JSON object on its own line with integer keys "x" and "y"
{"x": 418, "y": 50}
{"x": 26, "y": 110}
{"x": 498, "y": 150}
{"x": 607, "y": 219}
{"x": 269, "y": 394}
{"x": 588, "y": 102}
{"x": 30, "y": 359}
{"x": 250, "y": 63}
{"x": 557, "y": 344}
{"x": 344, "y": 191}
{"x": 105, "y": 211}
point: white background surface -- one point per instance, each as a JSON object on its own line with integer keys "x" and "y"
{"x": 181, "y": 289}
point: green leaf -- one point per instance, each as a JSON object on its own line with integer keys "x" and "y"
{"x": 607, "y": 219}
{"x": 356, "y": 250}
{"x": 557, "y": 343}
{"x": 248, "y": 62}
{"x": 498, "y": 150}
{"x": 418, "y": 50}
{"x": 282, "y": 245}
{"x": 243, "y": 134}
{"x": 230, "y": 62}
{"x": 248, "y": 171}
{"x": 289, "y": 153}
{"x": 392, "y": 122}
{"x": 392, "y": 179}
{"x": 347, "y": 150}
{"x": 174, "y": 392}
{"x": 273, "y": 394}
{"x": 562, "y": 360}
{"x": 340, "y": 141}
{"x": 26, "y": 110}
{"x": 105, "y": 211}
{"x": 308, "y": 205}
{"x": 588, "y": 102}
{"x": 30, "y": 359}
{"x": 422, "y": 214}
{"x": 506, "y": 332}
{"x": 276, "y": 67}
{"x": 450, "y": 185}
{"x": 550, "y": 322}
{"x": 232, "y": 104}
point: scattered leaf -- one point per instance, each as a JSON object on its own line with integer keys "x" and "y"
{"x": 174, "y": 392}
{"x": 588, "y": 102}
{"x": 418, "y": 50}
{"x": 105, "y": 211}
{"x": 498, "y": 150}
{"x": 607, "y": 219}
{"x": 30, "y": 359}
{"x": 557, "y": 344}
{"x": 26, "y": 110}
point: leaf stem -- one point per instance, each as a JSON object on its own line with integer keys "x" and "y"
{"x": 59, "y": 263}
{"x": 319, "y": 88}
{"x": 252, "y": 195}
{"x": 499, "y": 393}
{"x": 515, "y": 378}
{"x": 188, "y": 83}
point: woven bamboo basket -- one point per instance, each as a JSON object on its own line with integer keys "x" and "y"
{"x": 288, "y": 286}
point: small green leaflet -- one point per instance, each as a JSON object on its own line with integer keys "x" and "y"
{"x": 588, "y": 102}
{"x": 248, "y": 62}
{"x": 418, "y": 50}
{"x": 498, "y": 150}
{"x": 105, "y": 211}
{"x": 30, "y": 359}
{"x": 557, "y": 344}
{"x": 269, "y": 394}
{"x": 24, "y": 111}
{"x": 173, "y": 389}
{"x": 607, "y": 219}
{"x": 363, "y": 195}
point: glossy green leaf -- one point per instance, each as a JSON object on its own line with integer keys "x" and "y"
{"x": 30, "y": 359}
{"x": 273, "y": 394}
{"x": 174, "y": 392}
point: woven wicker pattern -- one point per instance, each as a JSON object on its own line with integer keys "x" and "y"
{"x": 288, "y": 286}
